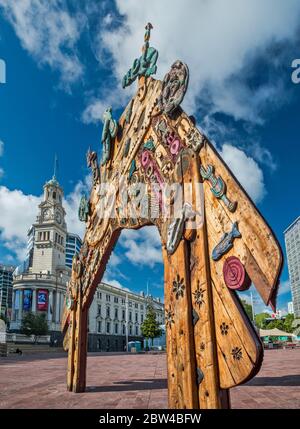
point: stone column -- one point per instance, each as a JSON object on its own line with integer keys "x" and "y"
{"x": 50, "y": 306}
{"x": 57, "y": 306}
{"x": 21, "y": 297}
{"x": 13, "y": 313}
{"x": 33, "y": 306}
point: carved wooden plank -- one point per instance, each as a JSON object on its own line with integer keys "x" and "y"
{"x": 181, "y": 358}
{"x": 202, "y": 299}
{"x": 256, "y": 234}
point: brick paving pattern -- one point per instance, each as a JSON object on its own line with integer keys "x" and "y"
{"x": 135, "y": 381}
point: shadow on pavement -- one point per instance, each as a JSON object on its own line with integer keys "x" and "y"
{"x": 286, "y": 380}
{"x": 119, "y": 386}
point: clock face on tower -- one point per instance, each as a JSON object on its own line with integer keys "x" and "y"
{"x": 58, "y": 217}
{"x": 47, "y": 214}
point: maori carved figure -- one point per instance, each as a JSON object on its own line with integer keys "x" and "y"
{"x": 84, "y": 209}
{"x": 211, "y": 246}
{"x": 109, "y": 132}
{"x": 174, "y": 87}
{"x": 92, "y": 162}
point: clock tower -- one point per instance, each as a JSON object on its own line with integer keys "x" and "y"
{"x": 50, "y": 231}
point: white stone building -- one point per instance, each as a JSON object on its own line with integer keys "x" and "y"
{"x": 41, "y": 286}
{"x": 116, "y": 315}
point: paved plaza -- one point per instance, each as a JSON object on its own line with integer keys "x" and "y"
{"x": 135, "y": 381}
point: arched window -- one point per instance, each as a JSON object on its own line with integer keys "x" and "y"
{"x": 54, "y": 195}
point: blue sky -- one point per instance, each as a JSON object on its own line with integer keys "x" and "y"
{"x": 65, "y": 60}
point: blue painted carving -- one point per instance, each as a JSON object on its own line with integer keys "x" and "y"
{"x": 146, "y": 64}
{"x": 109, "y": 132}
{"x": 126, "y": 147}
{"x": 226, "y": 242}
{"x": 218, "y": 187}
{"x": 132, "y": 169}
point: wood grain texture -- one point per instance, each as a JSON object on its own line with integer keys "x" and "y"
{"x": 211, "y": 344}
{"x": 180, "y": 348}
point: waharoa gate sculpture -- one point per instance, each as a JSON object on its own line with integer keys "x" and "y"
{"x": 216, "y": 244}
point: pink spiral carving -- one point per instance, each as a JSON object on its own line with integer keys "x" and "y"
{"x": 145, "y": 158}
{"x": 235, "y": 275}
{"x": 174, "y": 148}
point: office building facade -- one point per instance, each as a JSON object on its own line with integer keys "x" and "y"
{"x": 6, "y": 289}
{"x": 73, "y": 246}
{"x": 292, "y": 244}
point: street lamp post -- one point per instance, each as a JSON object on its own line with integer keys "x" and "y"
{"x": 126, "y": 313}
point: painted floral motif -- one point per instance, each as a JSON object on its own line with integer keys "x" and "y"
{"x": 224, "y": 328}
{"x": 178, "y": 287}
{"x": 237, "y": 353}
{"x": 199, "y": 296}
{"x": 169, "y": 317}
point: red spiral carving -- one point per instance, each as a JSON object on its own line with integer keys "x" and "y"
{"x": 235, "y": 275}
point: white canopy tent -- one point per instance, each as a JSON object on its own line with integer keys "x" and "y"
{"x": 274, "y": 333}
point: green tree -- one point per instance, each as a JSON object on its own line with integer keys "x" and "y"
{"x": 150, "y": 327}
{"x": 248, "y": 308}
{"x": 287, "y": 325}
{"x": 3, "y": 317}
{"x": 260, "y": 320}
{"x": 34, "y": 324}
{"x": 276, "y": 323}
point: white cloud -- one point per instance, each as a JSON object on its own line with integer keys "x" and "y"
{"x": 48, "y": 32}
{"x": 218, "y": 40}
{"x": 284, "y": 288}
{"x": 19, "y": 211}
{"x": 246, "y": 171}
{"x": 142, "y": 247}
{"x": 113, "y": 282}
{"x": 95, "y": 108}
{"x": 258, "y": 304}
{"x": 71, "y": 205}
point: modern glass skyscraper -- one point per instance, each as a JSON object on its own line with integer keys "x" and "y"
{"x": 292, "y": 244}
{"x": 6, "y": 288}
{"x": 73, "y": 245}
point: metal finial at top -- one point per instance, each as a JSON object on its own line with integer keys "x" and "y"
{"x": 55, "y": 167}
{"x": 148, "y": 29}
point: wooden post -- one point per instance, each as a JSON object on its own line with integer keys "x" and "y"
{"x": 182, "y": 387}
{"x": 77, "y": 354}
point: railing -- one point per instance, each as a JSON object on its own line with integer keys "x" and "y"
{"x": 20, "y": 338}
{"x": 41, "y": 277}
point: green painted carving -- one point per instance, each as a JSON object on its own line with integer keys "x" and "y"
{"x": 109, "y": 132}
{"x": 218, "y": 186}
{"x": 149, "y": 144}
{"x": 146, "y": 64}
{"x": 84, "y": 209}
{"x": 129, "y": 112}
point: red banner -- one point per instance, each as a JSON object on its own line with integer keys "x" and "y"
{"x": 42, "y": 300}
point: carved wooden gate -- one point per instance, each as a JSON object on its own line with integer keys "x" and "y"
{"x": 214, "y": 243}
